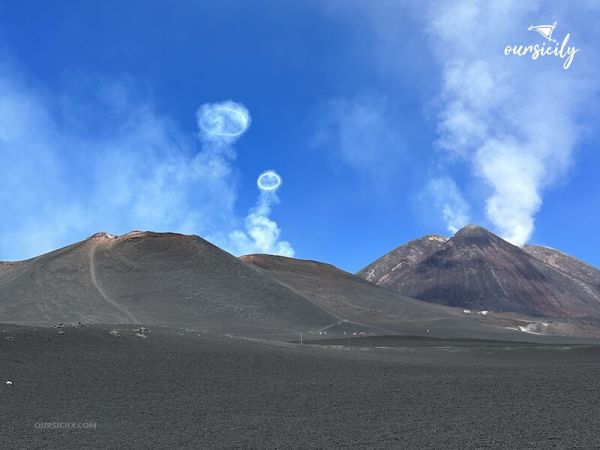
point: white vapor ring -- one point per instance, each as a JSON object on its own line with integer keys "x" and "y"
{"x": 269, "y": 181}
{"x": 216, "y": 121}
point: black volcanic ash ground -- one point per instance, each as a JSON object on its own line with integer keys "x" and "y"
{"x": 187, "y": 390}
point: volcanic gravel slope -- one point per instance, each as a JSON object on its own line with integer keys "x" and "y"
{"x": 183, "y": 281}
{"x": 477, "y": 269}
{"x": 174, "y": 390}
{"x": 573, "y": 267}
{"x": 395, "y": 264}
{"x": 151, "y": 278}
{"x": 350, "y": 297}
{"x": 343, "y": 293}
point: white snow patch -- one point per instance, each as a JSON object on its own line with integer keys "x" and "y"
{"x": 397, "y": 266}
{"x": 437, "y": 238}
{"x": 529, "y": 328}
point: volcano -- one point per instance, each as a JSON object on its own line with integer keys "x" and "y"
{"x": 477, "y": 269}
{"x": 181, "y": 281}
{"x": 151, "y": 278}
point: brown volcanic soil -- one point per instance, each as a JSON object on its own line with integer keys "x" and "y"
{"x": 383, "y": 310}
{"x": 183, "y": 281}
{"x": 152, "y": 278}
{"x": 345, "y": 294}
{"x": 477, "y": 269}
{"x": 197, "y": 391}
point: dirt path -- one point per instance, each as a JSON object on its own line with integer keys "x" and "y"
{"x": 122, "y": 309}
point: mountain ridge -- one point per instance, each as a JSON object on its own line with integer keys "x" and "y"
{"x": 182, "y": 281}
{"x": 152, "y": 278}
{"x": 477, "y": 269}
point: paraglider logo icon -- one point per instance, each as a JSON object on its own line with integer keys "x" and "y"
{"x": 545, "y": 30}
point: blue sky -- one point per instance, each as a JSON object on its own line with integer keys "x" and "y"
{"x": 385, "y": 120}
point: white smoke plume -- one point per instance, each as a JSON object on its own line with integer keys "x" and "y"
{"x": 70, "y": 169}
{"x": 261, "y": 233}
{"x": 515, "y": 121}
{"x": 221, "y": 124}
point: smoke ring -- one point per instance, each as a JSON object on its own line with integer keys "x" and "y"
{"x": 224, "y": 121}
{"x": 269, "y": 181}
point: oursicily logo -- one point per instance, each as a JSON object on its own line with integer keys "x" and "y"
{"x": 549, "y": 47}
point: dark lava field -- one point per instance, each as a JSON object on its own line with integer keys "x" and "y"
{"x": 168, "y": 388}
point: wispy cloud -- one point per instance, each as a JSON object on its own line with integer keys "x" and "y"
{"x": 65, "y": 177}
{"x": 363, "y": 132}
{"x": 443, "y": 195}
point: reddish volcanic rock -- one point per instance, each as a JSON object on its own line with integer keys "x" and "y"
{"x": 477, "y": 269}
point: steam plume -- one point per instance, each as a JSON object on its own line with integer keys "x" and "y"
{"x": 261, "y": 233}
{"x": 513, "y": 121}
